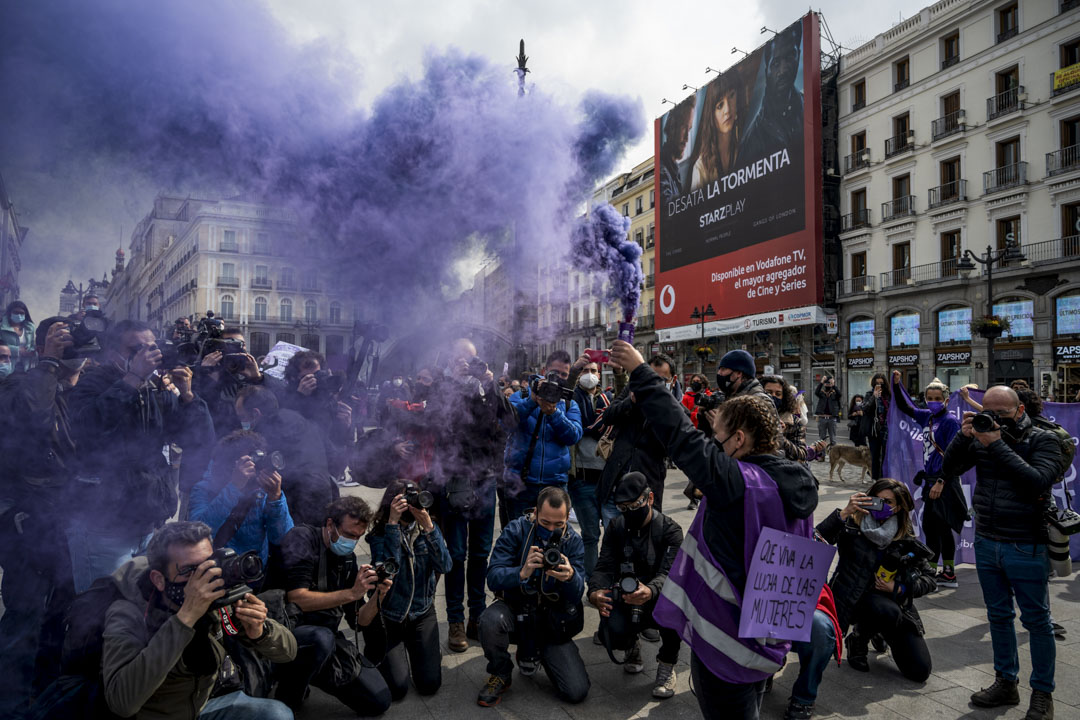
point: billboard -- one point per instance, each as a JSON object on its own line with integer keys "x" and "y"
{"x": 738, "y": 179}
{"x": 1068, "y": 315}
{"x": 903, "y": 330}
{"x": 861, "y": 333}
{"x": 954, "y": 325}
{"x": 1021, "y": 314}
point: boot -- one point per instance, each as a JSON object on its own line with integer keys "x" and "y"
{"x": 456, "y": 639}
{"x": 1002, "y": 692}
{"x": 857, "y": 647}
{"x": 1041, "y": 707}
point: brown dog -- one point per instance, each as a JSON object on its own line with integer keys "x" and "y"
{"x": 840, "y": 455}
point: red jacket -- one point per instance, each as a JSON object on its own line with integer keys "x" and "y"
{"x": 688, "y": 402}
{"x": 827, "y": 605}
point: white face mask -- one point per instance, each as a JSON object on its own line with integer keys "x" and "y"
{"x": 589, "y": 381}
{"x": 397, "y": 382}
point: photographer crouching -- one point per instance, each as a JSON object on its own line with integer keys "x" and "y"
{"x": 536, "y": 571}
{"x": 1015, "y": 465}
{"x": 745, "y": 486}
{"x": 639, "y": 548}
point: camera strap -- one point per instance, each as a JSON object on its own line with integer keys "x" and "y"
{"x": 235, "y": 519}
{"x": 227, "y": 624}
{"x": 532, "y": 450}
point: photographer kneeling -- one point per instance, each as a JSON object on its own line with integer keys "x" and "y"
{"x": 882, "y": 568}
{"x": 407, "y": 547}
{"x": 746, "y": 486}
{"x": 536, "y": 572}
{"x": 639, "y": 547}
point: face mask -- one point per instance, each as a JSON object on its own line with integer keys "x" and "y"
{"x": 636, "y": 518}
{"x": 17, "y": 318}
{"x": 777, "y": 402}
{"x": 542, "y": 533}
{"x": 343, "y": 546}
{"x": 6, "y": 369}
{"x": 1008, "y": 426}
{"x": 245, "y": 426}
{"x": 397, "y": 382}
{"x": 934, "y": 406}
{"x": 721, "y": 444}
{"x": 883, "y": 514}
{"x": 90, "y": 308}
{"x": 588, "y": 381}
{"x": 695, "y": 386}
{"x": 725, "y": 383}
{"x": 174, "y": 591}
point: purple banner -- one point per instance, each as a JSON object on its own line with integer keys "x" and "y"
{"x": 783, "y": 585}
{"x": 904, "y": 453}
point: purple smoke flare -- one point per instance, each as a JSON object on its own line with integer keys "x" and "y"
{"x": 601, "y": 245}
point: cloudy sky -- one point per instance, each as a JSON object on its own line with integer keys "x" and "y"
{"x": 646, "y": 50}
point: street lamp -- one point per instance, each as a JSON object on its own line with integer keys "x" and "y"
{"x": 308, "y": 326}
{"x": 1010, "y": 253}
{"x": 702, "y": 315}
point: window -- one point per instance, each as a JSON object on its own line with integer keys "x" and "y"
{"x": 1067, "y": 314}
{"x": 901, "y": 204}
{"x": 1020, "y": 312}
{"x": 904, "y": 330}
{"x": 260, "y": 344}
{"x": 858, "y": 95}
{"x": 901, "y": 74}
{"x": 228, "y": 270}
{"x": 901, "y": 262}
{"x": 950, "y": 49}
{"x": 335, "y": 314}
{"x": 1007, "y": 93}
{"x": 228, "y": 305}
{"x": 311, "y": 342}
{"x": 262, "y": 276}
{"x": 901, "y": 186}
{"x": 1070, "y": 133}
{"x": 1008, "y": 22}
{"x": 858, "y": 201}
{"x": 898, "y": 143}
{"x": 859, "y": 158}
{"x": 950, "y": 176}
{"x": 650, "y": 237}
{"x": 954, "y": 324}
{"x": 652, "y": 199}
{"x": 639, "y": 203}
{"x": 949, "y": 122}
{"x": 335, "y": 345}
{"x": 262, "y": 244}
{"x": 260, "y": 309}
{"x": 286, "y": 338}
{"x": 1008, "y": 233}
{"x": 1070, "y": 229}
{"x": 626, "y": 209}
{"x": 1008, "y": 152}
{"x": 287, "y": 281}
{"x": 309, "y": 280}
{"x": 639, "y": 237}
{"x": 228, "y": 241}
{"x": 860, "y": 216}
{"x": 311, "y": 311}
{"x": 1007, "y": 80}
{"x": 285, "y": 311}
{"x": 858, "y": 264}
{"x": 950, "y": 252}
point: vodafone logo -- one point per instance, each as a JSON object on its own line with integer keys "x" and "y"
{"x": 667, "y": 299}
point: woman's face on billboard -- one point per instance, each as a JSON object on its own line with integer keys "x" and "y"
{"x": 724, "y": 113}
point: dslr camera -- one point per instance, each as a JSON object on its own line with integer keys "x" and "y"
{"x": 627, "y": 585}
{"x": 551, "y": 389}
{"x": 984, "y": 421}
{"x": 237, "y": 572}
{"x": 327, "y": 384}
{"x": 416, "y": 497}
{"x": 386, "y": 570}
{"x": 709, "y": 402}
{"x": 553, "y": 551}
{"x": 86, "y": 334}
{"x": 477, "y": 368}
{"x": 272, "y": 461}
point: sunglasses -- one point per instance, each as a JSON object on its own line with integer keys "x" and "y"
{"x": 633, "y": 504}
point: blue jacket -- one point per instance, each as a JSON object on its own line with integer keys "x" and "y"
{"x": 266, "y": 522}
{"x": 413, "y": 590}
{"x": 558, "y": 432}
{"x": 509, "y": 555}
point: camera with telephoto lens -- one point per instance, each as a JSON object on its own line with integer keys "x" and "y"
{"x": 551, "y": 389}
{"x": 327, "y": 383}
{"x": 237, "y": 574}
{"x": 984, "y": 421}
{"x": 627, "y": 585}
{"x": 552, "y": 552}
{"x": 86, "y": 334}
{"x": 416, "y": 497}
{"x": 386, "y": 570}
{"x": 709, "y": 402}
{"x": 272, "y": 461}
{"x": 477, "y": 368}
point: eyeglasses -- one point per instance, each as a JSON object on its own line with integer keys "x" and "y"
{"x": 633, "y": 504}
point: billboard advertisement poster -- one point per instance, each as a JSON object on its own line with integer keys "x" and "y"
{"x": 1068, "y": 315}
{"x": 903, "y": 330}
{"x": 954, "y": 325}
{"x": 738, "y": 179}
{"x": 861, "y": 333}
{"x": 1020, "y": 314}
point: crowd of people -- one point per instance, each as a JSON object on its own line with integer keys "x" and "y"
{"x": 176, "y": 542}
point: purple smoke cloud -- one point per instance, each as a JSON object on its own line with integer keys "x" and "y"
{"x": 601, "y": 245}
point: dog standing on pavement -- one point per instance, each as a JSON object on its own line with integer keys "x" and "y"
{"x": 840, "y": 455}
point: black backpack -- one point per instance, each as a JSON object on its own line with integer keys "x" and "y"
{"x": 79, "y": 692}
{"x": 1063, "y": 436}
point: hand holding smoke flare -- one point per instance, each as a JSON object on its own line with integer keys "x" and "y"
{"x": 601, "y": 245}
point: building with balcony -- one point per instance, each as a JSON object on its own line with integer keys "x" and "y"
{"x": 961, "y": 129}
{"x": 241, "y": 259}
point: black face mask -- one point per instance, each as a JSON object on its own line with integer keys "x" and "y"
{"x": 174, "y": 591}
{"x": 726, "y": 383}
{"x": 1008, "y": 427}
{"x": 635, "y": 519}
{"x": 695, "y": 386}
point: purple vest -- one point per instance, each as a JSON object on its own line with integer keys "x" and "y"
{"x": 700, "y": 603}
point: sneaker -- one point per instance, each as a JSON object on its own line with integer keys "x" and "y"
{"x": 472, "y": 631}
{"x": 946, "y": 578}
{"x": 493, "y": 690}
{"x": 1041, "y": 707}
{"x": 456, "y": 639}
{"x": 526, "y": 666}
{"x": 878, "y": 643}
{"x": 650, "y": 635}
{"x": 348, "y": 483}
{"x": 665, "y": 681}
{"x": 1002, "y": 692}
{"x": 693, "y": 505}
{"x": 857, "y": 647}
{"x": 1059, "y": 631}
{"x": 634, "y": 664}
{"x": 798, "y": 711}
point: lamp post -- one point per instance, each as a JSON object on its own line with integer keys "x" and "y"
{"x": 309, "y": 327}
{"x": 702, "y": 315}
{"x": 1010, "y": 253}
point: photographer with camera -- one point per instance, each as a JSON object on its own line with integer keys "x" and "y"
{"x": 882, "y": 569}
{"x": 37, "y": 460}
{"x": 313, "y": 391}
{"x": 536, "y": 574}
{"x": 324, "y": 580}
{"x": 548, "y": 424}
{"x": 241, "y": 497}
{"x": 123, "y": 411}
{"x": 406, "y": 546}
{"x": 588, "y": 463}
{"x": 746, "y": 487}
{"x": 639, "y": 548}
{"x": 636, "y": 448}
{"x": 161, "y": 652}
{"x": 1016, "y": 464}
{"x": 223, "y": 370}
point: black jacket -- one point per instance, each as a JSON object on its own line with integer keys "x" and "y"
{"x": 463, "y": 416}
{"x": 1012, "y": 480}
{"x": 858, "y": 562}
{"x": 637, "y": 447}
{"x": 718, "y": 476}
{"x": 653, "y": 550}
{"x": 828, "y": 403}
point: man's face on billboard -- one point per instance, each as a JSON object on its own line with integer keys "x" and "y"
{"x": 785, "y": 64}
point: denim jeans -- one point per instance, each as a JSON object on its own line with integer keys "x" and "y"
{"x": 96, "y": 553}
{"x": 814, "y": 655}
{"x": 238, "y": 706}
{"x": 582, "y": 490}
{"x": 1020, "y": 569}
{"x": 826, "y": 425}
{"x": 469, "y": 541}
{"x": 406, "y": 649}
{"x": 608, "y": 512}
